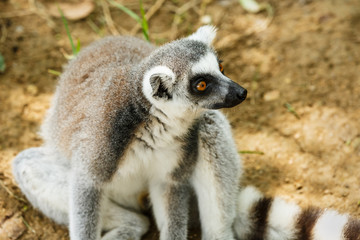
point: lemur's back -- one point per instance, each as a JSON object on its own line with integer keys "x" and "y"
{"x": 100, "y": 75}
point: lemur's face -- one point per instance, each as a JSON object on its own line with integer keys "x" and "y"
{"x": 209, "y": 88}
{"x": 188, "y": 75}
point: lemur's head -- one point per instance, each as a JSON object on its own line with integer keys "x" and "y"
{"x": 187, "y": 73}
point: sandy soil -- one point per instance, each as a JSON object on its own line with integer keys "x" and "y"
{"x": 307, "y": 56}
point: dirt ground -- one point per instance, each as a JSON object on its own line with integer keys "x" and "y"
{"x": 305, "y": 57}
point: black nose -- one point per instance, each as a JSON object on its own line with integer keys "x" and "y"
{"x": 235, "y": 96}
{"x": 242, "y": 94}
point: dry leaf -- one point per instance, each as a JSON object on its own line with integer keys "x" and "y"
{"x": 72, "y": 11}
{"x": 12, "y": 228}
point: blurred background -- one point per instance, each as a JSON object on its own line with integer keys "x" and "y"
{"x": 298, "y": 131}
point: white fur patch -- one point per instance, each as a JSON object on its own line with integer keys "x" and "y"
{"x": 205, "y": 186}
{"x": 246, "y": 200}
{"x": 147, "y": 89}
{"x": 205, "y": 34}
{"x": 282, "y": 220}
{"x": 330, "y": 226}
{"x": 207, "y": 64}
{"x": 157, "y": 191}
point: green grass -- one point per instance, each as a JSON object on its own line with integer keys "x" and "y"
{"x": 141, "y": 20}
{"x": 144, "y": 23}
{"x": 2, "y": 64}
{"x": 291, "y": 109}
{"x": 54, "y": 72}
{"x": 75, "y": 49}
{"x": 251, "y": 152}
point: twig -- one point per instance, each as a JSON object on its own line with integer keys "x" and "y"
{"x": 148, "y": 15}
{"x": 3, "y": 33}
{"x": 40, "y": 10}
{"x": 108, "y": 17}
{"x": 94, "y": 27}
{"x": 11, "y": 193}
{"x": 19, "y": 13}
{"x": 33, "y": 9}
{"x": 27, "y": 225}
{"x": 184, "y": 8}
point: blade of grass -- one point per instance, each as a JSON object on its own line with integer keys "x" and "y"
{"x": 78, "y": 46}
{"x": 54, "y": 72}
{"x": 251, "y": 152}
{"x": 74, "y": 49}
{"x": 2, "y": 63}
{"x": 95, "y": 28}
{"x": 141, "y": 20}
{"x": 291, "y": 110}
{"x": 28, "y": 225}
{"x": 144, "y": 23}
{"x": 126, "y": 10}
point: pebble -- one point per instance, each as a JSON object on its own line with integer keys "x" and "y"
{"x": 19, "y": 29}
{"x": 271, "y": 96}
{"x": 12, "y": 228}
{"x": 32, "y": 89}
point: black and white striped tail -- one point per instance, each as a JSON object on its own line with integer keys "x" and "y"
{"x": 262, "y": 218}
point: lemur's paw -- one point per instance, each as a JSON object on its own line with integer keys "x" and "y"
{"x": 123, "y": 234}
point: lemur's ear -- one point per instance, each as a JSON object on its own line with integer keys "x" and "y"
{"x": 158, "y": 83}
{"x": 205, "y": 34}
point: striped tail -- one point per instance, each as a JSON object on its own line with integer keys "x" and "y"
{"x": 262, "y": 218}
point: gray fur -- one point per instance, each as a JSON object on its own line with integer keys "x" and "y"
{"x": 221, "y": 157}
{"x": 177, "y": 207}
{"x": 109, "y": 137}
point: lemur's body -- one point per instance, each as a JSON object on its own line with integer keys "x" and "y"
{"x": 127, "y": 119}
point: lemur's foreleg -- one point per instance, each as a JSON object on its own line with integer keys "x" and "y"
{"x": 170, "y": 204}
{"x": 85, "y": 203}
{"x": 216, "y": 177}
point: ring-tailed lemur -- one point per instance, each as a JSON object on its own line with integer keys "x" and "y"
{"x": 128, "y": 118}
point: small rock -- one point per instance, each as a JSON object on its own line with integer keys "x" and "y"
{"x": 271, "y": 96}
{"x": 327, "y": 191}
{"x": 298, "y": 186}
{"x": 19, "y": 29}
{"x": 12, "y": 228}
{"x": 32, "y": 89}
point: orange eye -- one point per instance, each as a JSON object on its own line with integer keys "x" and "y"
{"x": 201, "y": 86}
{"x": 221, "y": 68}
